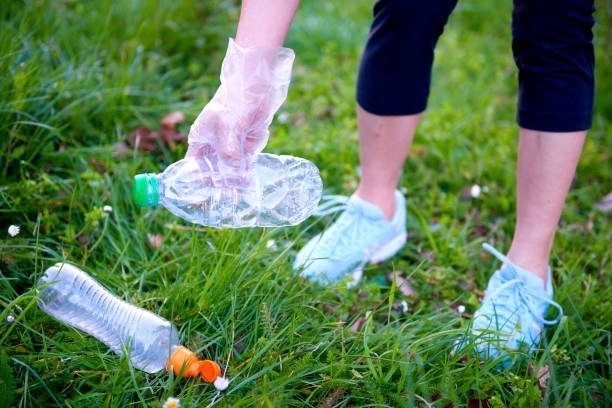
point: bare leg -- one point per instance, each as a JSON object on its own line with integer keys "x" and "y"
{"x": 384, "y": 142}
{"x": 546, "y": 165}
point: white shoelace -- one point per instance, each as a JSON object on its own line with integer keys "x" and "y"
{"x": 331, "y": 204}
{"x": 521, "y": 292}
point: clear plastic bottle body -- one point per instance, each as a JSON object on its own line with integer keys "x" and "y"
{"x": 70, "y": 295}
{"x": 282, "y": 190}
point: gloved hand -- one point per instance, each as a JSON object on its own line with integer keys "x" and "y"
{"x": 233, "y": 126}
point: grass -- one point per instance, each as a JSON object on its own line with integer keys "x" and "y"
{"x": 78, "y": 78}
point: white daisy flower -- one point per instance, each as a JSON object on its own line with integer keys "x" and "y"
{"x": 107, "y": 209}
{"x": 283, "y": 117}
{"x": 461, "y": 309}
{"x": 10, "y": 318}
{"x": 172, "y": 402}
{"x": 13, "y": 230}
{"x": 475, "y": 191}
{"x": 221, "y": 383}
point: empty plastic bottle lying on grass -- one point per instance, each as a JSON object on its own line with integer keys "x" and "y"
{"x": 75, "y": 298}
{"x": 278, "y": 191}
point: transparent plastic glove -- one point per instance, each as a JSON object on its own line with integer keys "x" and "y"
{"x": 233, "y": 126}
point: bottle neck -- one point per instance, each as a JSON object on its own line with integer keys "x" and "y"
{"x": 152, "y": 189}
{"x": 146, "y": 190}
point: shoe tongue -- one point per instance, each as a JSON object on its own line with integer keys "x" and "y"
{"x": 530, "y": 279}
{"x": 366, "y": 208}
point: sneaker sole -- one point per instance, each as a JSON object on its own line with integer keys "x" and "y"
{"x": 381, "y": 254}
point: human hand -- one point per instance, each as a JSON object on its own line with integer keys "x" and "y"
{"x": 233, "y": 126}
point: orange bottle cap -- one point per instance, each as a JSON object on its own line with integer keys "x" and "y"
{"x": 209, "y": 370}
{"x": 184, "y": 360}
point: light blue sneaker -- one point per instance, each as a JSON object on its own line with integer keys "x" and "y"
{"x": 360, "y": 235}
{"x": 512, "y": 313}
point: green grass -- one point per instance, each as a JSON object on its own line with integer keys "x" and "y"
{"x": 78, "y": 77}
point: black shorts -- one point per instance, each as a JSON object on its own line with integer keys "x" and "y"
{"x": 552, "y": 43}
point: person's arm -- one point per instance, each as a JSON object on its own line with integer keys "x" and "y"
{"x": 255, "y": 76}
{"x": 265, "y": 23}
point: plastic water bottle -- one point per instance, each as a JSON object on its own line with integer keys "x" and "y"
{"x": 281, "y": 190}
{"x": 73, "y": 297}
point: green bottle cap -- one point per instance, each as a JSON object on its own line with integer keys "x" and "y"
{"x": 145, "y": 190}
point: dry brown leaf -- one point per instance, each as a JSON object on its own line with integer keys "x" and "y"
{"x": 146, "y": 140}
{"x": 298, "y": 118}
{"x": 465, "y": 194}
{"x": 155, "y": 240}
{"x": 97, "y": 165}
{"x": 402, "y": 284}
{"x": 172, "y": 119}
{"x": 168, "y": 133}
{"x": 468, "y": 283}
{"x": 120, "y": 149}
{"x": 481, "y": 230}
{"x": 418, "y": 152}
{"x": 429, "y": 255}
{"x": 605, "y": 204}
{"x": 358, "y": 324}
{"x": 82, "y": 239}
{"x": 333, "y": 398}
{"x": 478, "y": 403}
{"x": 239, "y": 344}
{"x": 542, "y": 377}
{"x": 437, "y": 396}
{"x": 171, "y": 138}
{"x": 329, "y": 309}
{"x": 143, "y": 139}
